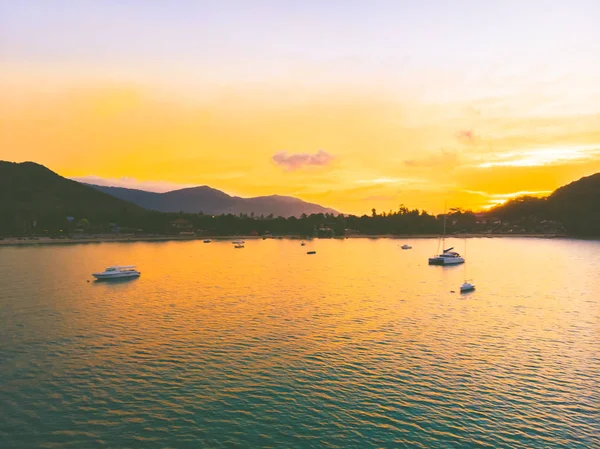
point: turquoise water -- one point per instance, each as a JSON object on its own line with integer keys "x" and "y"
{"x": 361, "y": 345}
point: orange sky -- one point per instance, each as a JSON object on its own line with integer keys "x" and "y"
{"x": 356, "y": 134}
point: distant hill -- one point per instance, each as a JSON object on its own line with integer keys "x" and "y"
{"x": 33, "y": 196}
{"x": 576, "y": 206}
{"x": 215, "y": 202}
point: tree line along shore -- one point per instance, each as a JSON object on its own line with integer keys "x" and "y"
{"x": 36, "y": 202}
{"x": 28, "y": 241}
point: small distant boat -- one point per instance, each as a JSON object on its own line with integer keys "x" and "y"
{"x": 311, "y": 252}
{"x": 302, "y": 244}
{"x": 207, "y": 240}
{"x": 467, "y": 287}
{"x": 117, "y": 272}
{"x": 406, "y": 246}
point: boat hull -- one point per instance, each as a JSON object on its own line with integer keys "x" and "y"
{"x": 446, "y": 261}
{"x": 109, "y": 276}
{"x": 467, "y": 288}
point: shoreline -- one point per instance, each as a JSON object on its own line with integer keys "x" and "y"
{"x": 462, "y": 236}
{"x": 125, "y": 239}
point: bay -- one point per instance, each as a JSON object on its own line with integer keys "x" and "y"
{"x": 360, "y": 345}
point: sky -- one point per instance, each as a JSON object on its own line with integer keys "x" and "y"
{"x": 351, "y": 104}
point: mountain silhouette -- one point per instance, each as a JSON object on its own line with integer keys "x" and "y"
{"x": 32, "y": 195}
{"x": 576, "y": 206}
{"x": 215, "y": 202}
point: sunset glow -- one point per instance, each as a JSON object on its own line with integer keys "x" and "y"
{"x": 353, "y": 105}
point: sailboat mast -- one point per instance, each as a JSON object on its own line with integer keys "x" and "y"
{"x": 465, "y": 259}
{"x": 444, "y": 234}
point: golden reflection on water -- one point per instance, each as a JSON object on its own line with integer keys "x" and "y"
{"x": 361, "y": 317}
{"x": 365, "y": 289}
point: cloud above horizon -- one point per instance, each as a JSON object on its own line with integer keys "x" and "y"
{"x": 404, "y": 181}
{"x": 291, "y": 162}
{"x": 468, "y": 137}
{"x": 544, "y": 156}
{"x": 132, "y": 183}
{"x": 446, "y": 158}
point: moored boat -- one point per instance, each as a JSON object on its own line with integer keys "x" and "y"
{"x": 448, "y": 257}
{"x": 467, "y": 287}
{"x": 117, "y": 272}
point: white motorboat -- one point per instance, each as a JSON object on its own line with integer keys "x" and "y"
{"x": 448, "y": 257}
{"x": 406, "y": 246}
{"x": 207, "y": 240}
{"x": 467, "y": 287}
{"x": 117, "y": 272}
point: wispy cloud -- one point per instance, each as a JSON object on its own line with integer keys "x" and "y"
{"x": 511, "y": 194}
{"x": 467, "y": 136}
{"x": 379, "y": 198}
{"x": 384, "y": 180}
{"x": 132, "y": 183}
{"x": 547, "y": 156}
{"x": 446, "y": 158}
{"x": 295, "y": 161}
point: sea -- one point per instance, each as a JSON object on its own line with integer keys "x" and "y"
{"x": 361, "y": 345}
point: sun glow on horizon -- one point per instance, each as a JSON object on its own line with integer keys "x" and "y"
{"x": 546, "y": 156}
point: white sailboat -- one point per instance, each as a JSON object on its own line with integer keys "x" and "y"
{"x": 466, "y": 286}
{"x": 447, "y": 257}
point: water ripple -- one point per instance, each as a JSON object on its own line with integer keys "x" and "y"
{"x": 361, "y": 346}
